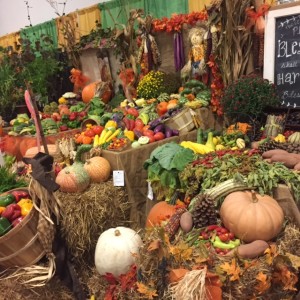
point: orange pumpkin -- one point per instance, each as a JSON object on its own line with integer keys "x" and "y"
{"x": 162, "y": 108}
{"x": 73, "y": 179}
{"x": 161, "y": 211}
{"x": 251, "y": 216}
{"x": 90, "y": 91}
{"x": 98, "y": 168}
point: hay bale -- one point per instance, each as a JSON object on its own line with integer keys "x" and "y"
{"x": 86, "y": 215}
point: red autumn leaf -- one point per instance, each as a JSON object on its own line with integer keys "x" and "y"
{"x": 128, "y": 280}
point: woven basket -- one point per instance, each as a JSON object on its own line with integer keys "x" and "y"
{"x": 21, "y": 246}
{"x": 183, "y": 122}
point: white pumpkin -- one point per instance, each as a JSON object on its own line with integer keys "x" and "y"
{"x": 115, "y": 250}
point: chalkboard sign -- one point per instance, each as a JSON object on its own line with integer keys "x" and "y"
{"x": 282, "y": 53}
{"x": 287, "y": 59}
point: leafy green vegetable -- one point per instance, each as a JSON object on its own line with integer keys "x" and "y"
{"x": 78, "y": 107}
{"x": 163, "y": 167}
{"x": 9, "y": 180}
{"x": 97, "y": 106}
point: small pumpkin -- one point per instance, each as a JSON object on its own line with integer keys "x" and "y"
{"x": 98, "y": 168}
{"x": 98, "y": 88}
{"x": 116, "y": 250}
{"x": 251, "y": 216}
{"x": 73, "y": 179}
{"x": 161, "y": 211}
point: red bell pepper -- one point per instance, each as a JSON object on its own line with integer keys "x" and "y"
{"x": 20, "y": 194}
{"x": 17, "y": 221}
{"x": 11, "y": 212}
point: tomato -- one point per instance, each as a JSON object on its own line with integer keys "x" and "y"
{"x": 161, "y": 108}
{"x": 148, "y": 133}
{"x": 89, "y": 133}
{"x": 159, "y": 136}
{"x": 224, "y": 237}
{"x": 151, "y": 139}
{"x": 97, "y": 129}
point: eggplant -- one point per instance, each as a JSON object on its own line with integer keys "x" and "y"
{"x": 155, "y": 123}
{"x": 137, "y": 133}
{"x": 175, "y": 132}
{"x": 159, "y": 128}
{"x": 168, "y": 132}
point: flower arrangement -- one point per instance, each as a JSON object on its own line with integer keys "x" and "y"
{"x": 177, "y": 21}
{"x": 155, "y": 83}
{"x": 249, "y": 95}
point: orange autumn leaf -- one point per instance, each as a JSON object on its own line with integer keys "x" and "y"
{"x": 232, "y": 270}
{"x": 271, "y": 253}
{"x": 147, "y": 291}
{"x": 181, "y": 252}
{"x": 263, "y": 283}
{"x": 154, "y": 245}
{"x": 285, "y": 277}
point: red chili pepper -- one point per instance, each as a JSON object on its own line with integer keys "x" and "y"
{"x": 212, "y": 227}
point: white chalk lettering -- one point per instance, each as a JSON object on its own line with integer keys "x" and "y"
{"x": 287, "y": 78}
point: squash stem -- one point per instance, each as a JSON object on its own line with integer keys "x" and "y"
{"x": 117, "y": 232}
{"x": 254, "y": 198}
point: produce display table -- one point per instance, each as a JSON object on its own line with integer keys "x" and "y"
{"x": 131, "y": 162}
{"x": 18, "y": 145}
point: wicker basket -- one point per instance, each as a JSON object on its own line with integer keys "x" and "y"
{"x": 21, "y": 246}
{"x": 183, "y": 121}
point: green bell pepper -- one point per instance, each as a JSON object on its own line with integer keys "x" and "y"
{"x": 7, "y": 199}
{"x": 5, "y": 226}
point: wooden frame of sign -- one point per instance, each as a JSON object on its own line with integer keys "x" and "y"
{"x": 282, "y": 51}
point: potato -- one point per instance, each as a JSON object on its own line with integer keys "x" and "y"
{"x": 186, "y": 221}
{"x": 252, "y": 250}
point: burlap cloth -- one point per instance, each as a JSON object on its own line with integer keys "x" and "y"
{"x": 132, "y": 160}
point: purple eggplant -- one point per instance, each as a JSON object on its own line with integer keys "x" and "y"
{"x": 159, "y": 128}
{"x": 168, "y": 132}
{"x": 137, "y": 133}
{"x": 175, "y": 132}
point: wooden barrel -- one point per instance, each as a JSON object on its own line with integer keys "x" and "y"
{"x": 21, "y": 246}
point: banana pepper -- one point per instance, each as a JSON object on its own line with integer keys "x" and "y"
{"x": 26, "y": 206}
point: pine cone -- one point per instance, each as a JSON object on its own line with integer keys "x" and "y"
{"x": 204, "y": 212}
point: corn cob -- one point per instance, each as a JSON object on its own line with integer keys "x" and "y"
{"x": 174, "y": 222}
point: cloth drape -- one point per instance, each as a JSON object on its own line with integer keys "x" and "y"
{"x": 34, "y": 33}
{"x": 11, "y": 39}
{"x": 159, "y": 9}
{"x": 117, "y": 11}
{"x": 68, "y": 25}
{"x": 198, "y": 5}
{"x": 88, "y": 19}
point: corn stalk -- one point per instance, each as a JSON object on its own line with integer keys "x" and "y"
{"x": 235, "y": 44}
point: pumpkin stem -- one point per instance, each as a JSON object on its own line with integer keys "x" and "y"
{"x": 254, "y": 198}
{"x": 117, "y": 232}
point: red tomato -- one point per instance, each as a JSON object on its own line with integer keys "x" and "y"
{"x": 97, "y": 129}
{"x": 159, "y": 136}
{"x": 89, "y": 133}
{"x": 151, "y": 139}
{"x": 148, "y": 133}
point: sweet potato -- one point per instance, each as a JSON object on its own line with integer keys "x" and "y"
{"x": 297, "y": 167}
{"x": 250, "y": 250}
{"x": 277, "y": 155}
{"x": 270, "y": 153}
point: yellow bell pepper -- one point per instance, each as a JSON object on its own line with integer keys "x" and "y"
{"x": 26, "y": 206}
{"x": 1, "y": 209}
{"x": 129, "y": 134}
{"x": 62, "y": 100}
{"x": 111, "y": 123}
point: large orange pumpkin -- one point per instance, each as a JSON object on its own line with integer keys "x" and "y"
{"x": 98, "y": 88}
{"x": 161, "y": 211}
{"x": 98, "y": 168}
{"x": 251, "y": 216}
